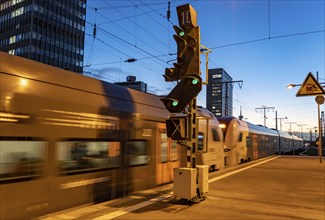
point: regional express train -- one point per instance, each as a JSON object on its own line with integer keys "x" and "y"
{"x": 68, "y": 140}
{"x": 244, "y": 141}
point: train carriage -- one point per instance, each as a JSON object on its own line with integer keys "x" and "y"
{"x": 244, "y": 141}
{"x": 67, "y": 140}
{"x": 210, "y": 141}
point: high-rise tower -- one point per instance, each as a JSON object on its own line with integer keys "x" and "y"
{"x": 51, "y": 32}
{"x": 219, "y": 93}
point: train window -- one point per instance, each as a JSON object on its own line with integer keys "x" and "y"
{"x": 215, "y": 135}
{"x": 173, "y": 151}
{"x": 163, "y": 154}
{"x": 82, "y": 155}
{"x": 248, "y": 141}
{"x": 200, "y": 137}
{"x": 21, "y": 158}
{"x": 240, "y": 137}
{"x": 137, "y": 153}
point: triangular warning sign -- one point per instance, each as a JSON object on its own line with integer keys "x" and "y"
{"x": 310, "y": 87}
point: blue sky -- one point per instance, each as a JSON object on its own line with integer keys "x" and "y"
{"x": 267, "y": 44}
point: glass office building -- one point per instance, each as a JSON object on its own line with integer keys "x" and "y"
{"x": 219, "y": 95}
{"x": 51, "y": 32}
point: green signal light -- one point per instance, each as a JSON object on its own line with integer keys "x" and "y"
{"x": 174, "y": 103}
{"x": 182, "y": 33}
{"x": 195, "y": 81}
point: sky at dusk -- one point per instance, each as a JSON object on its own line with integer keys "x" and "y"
{"x": 266, "y": 43}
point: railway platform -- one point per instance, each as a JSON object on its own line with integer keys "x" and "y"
{"x": 278, "y": 187}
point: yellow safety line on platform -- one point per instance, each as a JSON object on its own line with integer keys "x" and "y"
{"x": 118, "y": 213}
{"x": 242, "y": 169}
{"x": 129, "y": 209}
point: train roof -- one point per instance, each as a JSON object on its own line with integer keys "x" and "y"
{"x": 261, "y": 129}
{"x": 205, "y": 113}
{"x": 283, "y": 134}
{"x": 245, "y": 125}
{"x": 144, "y": 103}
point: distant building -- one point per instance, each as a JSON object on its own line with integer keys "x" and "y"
{"x": 51, "y": 32}
{"x": 133, "y": 84}
{"x": 219, "y": 95}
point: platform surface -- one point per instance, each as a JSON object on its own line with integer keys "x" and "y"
{"x": 280, "y": 187}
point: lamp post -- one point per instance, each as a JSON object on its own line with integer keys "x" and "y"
{"x": 311, "y": 133}
{"x": 285, "y": 118}
{"x": 290, "y": 125}
{"x": 300, "y": 125}
{"x": 320, "y": 101}
{"x": 291, "y": 85}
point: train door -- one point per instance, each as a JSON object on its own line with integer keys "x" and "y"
{"x": 252, "y": 147}
{"x": 140, "y": 148}
{"x": 241, "y": 149}
{"x": 255, "y": 146}
{"x": 167, "y": 156}
{"x": 140, "y": 166}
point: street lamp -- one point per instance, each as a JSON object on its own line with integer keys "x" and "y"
{"x": 301, "y": 133}
{"x": 285, "y": 118}
{"x": 291, "y": 123}
{"x": 290, "y": 86}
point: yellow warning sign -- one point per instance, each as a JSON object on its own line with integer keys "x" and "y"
{"x": 310, "y": 87}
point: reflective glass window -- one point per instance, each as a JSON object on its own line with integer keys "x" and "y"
{"x": 87, "y": 155}
{"x": 137, "y": 153}
{"x": 21, "y": 158}
{"x": 200, "y": 141}
{"x": 173, "y": 151}
{"x": 163, "y": 147}
{"x": 215, "y": 135}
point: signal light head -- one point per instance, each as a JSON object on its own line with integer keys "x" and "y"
{"x": 179, "y": 30}
{"x": 175, "y": 103}
{"x": 195, "y": 81}
{"x": 172, "y": 105}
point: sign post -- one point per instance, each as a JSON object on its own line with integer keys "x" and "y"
{"x": 311, "y": 87}
{"x": 320, "y": 100}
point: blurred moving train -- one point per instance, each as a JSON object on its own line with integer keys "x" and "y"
{"x": 244, "y": 141}
{"x": 67, "y": 140}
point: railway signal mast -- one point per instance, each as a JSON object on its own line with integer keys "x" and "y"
{"x": 182, "y": 99}
{"x": 187, "y": 72}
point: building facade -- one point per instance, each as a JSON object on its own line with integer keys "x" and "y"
{"x": 219, "y": 95}
{"x": 133, "y": 84}
{"x": 51, "y": 32}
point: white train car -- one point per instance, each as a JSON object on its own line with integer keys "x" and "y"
{"x": 210, "y": 140}
{"x": 244, "y": 141}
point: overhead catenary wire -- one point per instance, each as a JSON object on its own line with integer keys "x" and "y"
{"x": 151, "y": 17}
{"x": 245, "y": 42}
{"x": 128, "y": 43}
{"x": 93, "y": 41}
{"x": 250, "y": 41}
{"x": 131, "y": 34}
{"x": 139, "y": 26}
{"x": 268, "y": 38}
{"x": 179, "y": 2}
